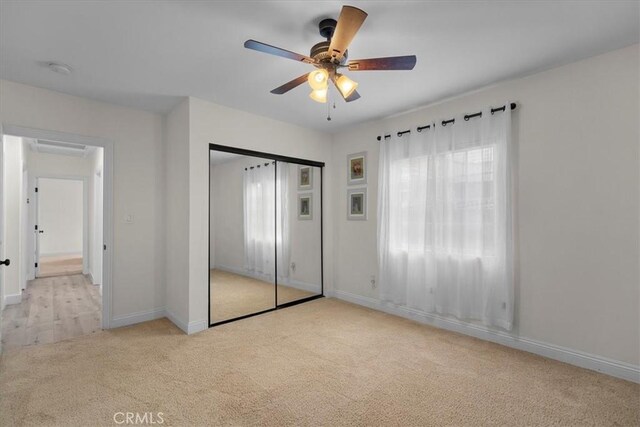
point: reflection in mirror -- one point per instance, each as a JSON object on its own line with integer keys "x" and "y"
{"x": 298, "y": 232}
{"x": 242, "y": 235}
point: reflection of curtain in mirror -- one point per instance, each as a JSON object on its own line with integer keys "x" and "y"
{"x": 260, "y": 222}
{"x": 282, "y": 217}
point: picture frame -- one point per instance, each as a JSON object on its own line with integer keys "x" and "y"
{"x": 305, "y": 177}
{"x": 357, "y": 204}
{"x": 305, "y": 206}
{"x": 357, "y": 168}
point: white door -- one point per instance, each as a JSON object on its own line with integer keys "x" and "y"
{"x": 60, "y": 219}
{"x": 2, "y": 259}
{"x": 98, "y": 236}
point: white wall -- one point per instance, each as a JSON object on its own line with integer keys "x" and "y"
{"x": 25, "y": 226}
{"x": 96, "y": 216}
{"x": 176, "y": 185}
{"x": 304, "y": 233}
{"x": 13, "y": 215}
{"x": 211, "y": 123}
{"x": 576, "y": 207}
{"x": 60, "y": 216}
{"x": 138, "y": 252}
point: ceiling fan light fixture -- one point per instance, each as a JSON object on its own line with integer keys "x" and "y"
{"x": 345, "y": 85}
{"x": 319, "y": 95}
{"x": 319, "y": 79}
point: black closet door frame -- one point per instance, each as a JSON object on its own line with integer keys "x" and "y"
{"x": 277, "y": 158}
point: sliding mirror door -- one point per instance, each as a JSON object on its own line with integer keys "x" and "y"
{"x": 242, "y": 251}
{"x": 299, "y": 231}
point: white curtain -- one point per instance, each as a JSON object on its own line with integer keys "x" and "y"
{"x": 260, "y": 219}
{"x": 444, "y": 219}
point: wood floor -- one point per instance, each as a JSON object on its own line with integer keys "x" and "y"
{"x": 66, "y": 265}
{"x": 52, "y": 309}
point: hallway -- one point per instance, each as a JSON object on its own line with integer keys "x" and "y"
{"x": 52, "y": 309}
{"x": 60, "y": 265}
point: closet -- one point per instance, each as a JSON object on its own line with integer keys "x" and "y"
{"x": 265, "y": 232}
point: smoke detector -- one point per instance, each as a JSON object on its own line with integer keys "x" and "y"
{"x": 59, "y": 68}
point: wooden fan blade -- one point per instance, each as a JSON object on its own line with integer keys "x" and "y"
{"x": 290, "y": 85}
{"x": 349, "y": 22}
{"x": 272, "y": 50}
{"x": 390, "y": 63}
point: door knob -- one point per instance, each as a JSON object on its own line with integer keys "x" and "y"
{"x": 5, "y": 262}
{"x": 40, "y": 231}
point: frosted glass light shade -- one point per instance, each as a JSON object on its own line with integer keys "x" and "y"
{"x": 319, "y": 95}
{"x": 318, "y": 79}
{"x": 345, "y": 85}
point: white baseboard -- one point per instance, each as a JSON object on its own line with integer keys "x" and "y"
{"x": 239, "y": 272}
{"x": 187, "y": 327}
{"x": 303, "y": 286}
{"x": 197, "y": 326}
{"x": 593, "y": 362}
{"x": 158, "y": 313}
{"x": 141, "y": 316}
{"x": 13, "y": 299}
{"x": 177, "y": 321}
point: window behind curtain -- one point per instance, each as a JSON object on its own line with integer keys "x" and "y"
{"x": 463, "y": 187}
{"x": 444, "y": 220}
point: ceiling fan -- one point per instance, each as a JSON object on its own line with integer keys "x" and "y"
{"x": 330, "y": 56}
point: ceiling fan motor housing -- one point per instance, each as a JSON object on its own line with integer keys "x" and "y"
{"x": 327, "y": 27}
{"x": 320, "y": 51}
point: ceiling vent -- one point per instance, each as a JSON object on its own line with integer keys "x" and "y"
{"x": 60, "y": 148}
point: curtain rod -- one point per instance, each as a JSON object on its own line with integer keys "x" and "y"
{"x": 446, "y": 122}
{"x": 257, "y": 166}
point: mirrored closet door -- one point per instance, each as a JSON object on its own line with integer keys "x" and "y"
{"x": 299, "y": 232}
{"x": 265, "y": 233}
{"x": 241, "y": 235}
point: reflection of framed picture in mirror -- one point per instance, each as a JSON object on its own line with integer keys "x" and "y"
{"x": 357, "y": 172}
{"x": 305, "y": 206}
{"x": 357, "y": 204}
{"x": 305, "y": 177}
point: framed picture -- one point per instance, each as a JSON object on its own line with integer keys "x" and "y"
{"x": 357, "y": 168}
{"x": 305, "y": 177}
{"x": 305, "y": 206}
{"x": 357, "y": 204}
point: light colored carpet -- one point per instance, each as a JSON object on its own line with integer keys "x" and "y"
{"x": 233, "y": 295}
{"x": 324, "y": 362}
{"x": 66, "y": 265}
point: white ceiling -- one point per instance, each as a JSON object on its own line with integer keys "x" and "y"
{"x": 147, "y": 54}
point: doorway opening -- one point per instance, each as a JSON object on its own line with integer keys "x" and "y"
{"x": 52, "y": 229}
{"x": 61, "y": 229}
